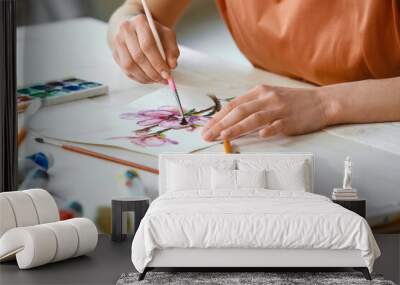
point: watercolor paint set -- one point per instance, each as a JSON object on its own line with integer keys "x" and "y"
{"x": 57, "y": 92}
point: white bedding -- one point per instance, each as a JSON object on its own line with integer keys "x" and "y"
{"x": 250, "y": 219}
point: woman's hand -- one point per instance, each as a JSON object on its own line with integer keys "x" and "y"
{"x": 136, "y": 52}
{"x": 270, "y": 110}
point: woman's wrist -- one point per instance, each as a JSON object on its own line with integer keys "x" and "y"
{"x": 123, "y": 13}
{"x": 331, "y": 105}
{"x": 365, "y": 101}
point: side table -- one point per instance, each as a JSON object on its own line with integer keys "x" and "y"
{"x": 121, "y": 206}
{"x": 357, "y": 206}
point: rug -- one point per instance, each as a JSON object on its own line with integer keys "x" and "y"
{"x": 244, "y": 278}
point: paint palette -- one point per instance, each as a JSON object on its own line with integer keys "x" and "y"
{"x": 57, "y": 92}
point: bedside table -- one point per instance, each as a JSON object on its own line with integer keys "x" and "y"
{"x": 358, "y": 206}
{"x": 121, "y": 206}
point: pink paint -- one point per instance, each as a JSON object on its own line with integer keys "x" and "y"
{"x": 171, "y": 84}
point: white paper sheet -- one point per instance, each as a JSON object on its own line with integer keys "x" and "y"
{"x": 149, "y": 124}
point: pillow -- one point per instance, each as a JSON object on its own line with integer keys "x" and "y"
{"x": 292, "y": 178}
{"x": 223, "y": 179}
{"x": 251, "y": 179}
{"x": 226, "y": 179}
{"x": 184, "y": 177}
{"x": 282, "y": 174}
{"x": 193, "y": 174}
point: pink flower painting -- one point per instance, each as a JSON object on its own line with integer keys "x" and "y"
{"x": 154, "y": 140}
{"x": 158, "y": 122}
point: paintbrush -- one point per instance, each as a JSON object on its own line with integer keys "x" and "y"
{"x": 171, "y": 81}
{"x": 98, "y": 155}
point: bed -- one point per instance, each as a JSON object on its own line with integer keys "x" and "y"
{"x": 247, "y": 211}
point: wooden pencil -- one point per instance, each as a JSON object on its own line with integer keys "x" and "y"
{"x": 21, "y": 136}
{"x": 98, "y": 155}
{"x": 30, "y": 111}
{"x": 227, "y": 146}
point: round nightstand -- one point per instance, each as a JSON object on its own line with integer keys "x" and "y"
{"x": 121, "y": 206}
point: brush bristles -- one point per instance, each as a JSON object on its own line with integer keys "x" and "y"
{"x": 183, "y": 121}
{"x": 39, "y": 140}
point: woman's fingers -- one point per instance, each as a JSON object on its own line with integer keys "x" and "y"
{"x": 233, "y": 123}
{"x": 250, "y": 123}
{"x": 143, "y": 59}
{"x": 223, "y": 112}
{"x": 139, "y": 57}
{"x": 116, "y": 56}
{"x": 251, "y": 95}
{"x": 130, "y": 68}
{"x": 273, "y": 129}
{"x": 148, "y": 46}
{"x": 290, "y": 111}
{"x": 168, "y": 39}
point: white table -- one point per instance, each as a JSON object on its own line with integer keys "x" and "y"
{"x": 78, "y": 48}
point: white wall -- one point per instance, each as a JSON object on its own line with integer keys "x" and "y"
{"x": 201, "y": 27}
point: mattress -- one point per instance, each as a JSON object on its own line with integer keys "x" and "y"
{"x": 251, "y": 219}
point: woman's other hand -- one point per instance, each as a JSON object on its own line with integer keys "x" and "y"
{"x": 270, "y": 110}
{"x": 136, "y": 52}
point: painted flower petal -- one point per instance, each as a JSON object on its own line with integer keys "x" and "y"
{"x": 156, "y": 113}
{"x": 172, "y": 109}
{"x": 128, "y": 116}
{"x": 142, "y": 132}
{"x": 138, "y": 141}
{"x": 173, "y": 123}
{"x": 155, "y": 141}
{"x": 172, "y": 141}
{"x": 198, "y": 120}
{"x": 149, "y": 122}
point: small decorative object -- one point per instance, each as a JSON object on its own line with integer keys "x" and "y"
{"x": 33, "y": 171}
{"x": 103, "y": 219}
{"x": 134, "y": 183}
{"x": 347, "y": 173}
{"x": 346, "y": 192}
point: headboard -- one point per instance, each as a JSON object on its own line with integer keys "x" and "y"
{"x": 208, "y": 158}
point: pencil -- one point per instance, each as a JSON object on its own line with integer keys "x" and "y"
{"x": 21, "y": 136}
{"x": 227, "y": 146}
{"x": 98, "y": 155}
{"x": 30, "y": 111}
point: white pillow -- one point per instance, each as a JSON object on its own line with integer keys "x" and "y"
{"x": 251, "y": 179}
{"x": 226, "y": 179}
{"x": 292, "y": 179}
{"x": 282, "y": 174}
{"x": 193, "y": 174}
{"x": 183, "y": 177}
{"x": 223, "y": 179}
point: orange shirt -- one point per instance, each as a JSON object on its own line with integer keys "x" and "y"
{"x": 320, "y": 41}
